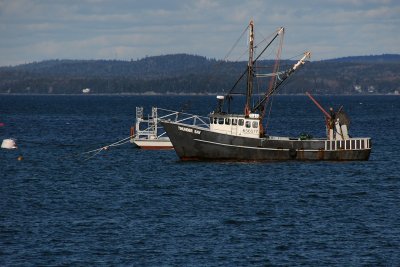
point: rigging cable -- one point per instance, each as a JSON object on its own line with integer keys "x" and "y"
{"x": 273, "y": 80}
{"x": 218, "y": 64}
{"x": 96, "y": 151}
{"x": 235, "y": 44}
{"x": 269, "y": 113}
{"x": 277, "y": 33}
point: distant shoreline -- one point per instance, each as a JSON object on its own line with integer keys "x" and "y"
{"x": 183, "y": 74}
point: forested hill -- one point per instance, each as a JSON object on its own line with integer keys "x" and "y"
{"x": 184, "y": 74}
{"x": 149, "y": 67}
{"x": 385, "y": 58}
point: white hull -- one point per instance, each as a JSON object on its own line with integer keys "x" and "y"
{"x": 160, "y": 143}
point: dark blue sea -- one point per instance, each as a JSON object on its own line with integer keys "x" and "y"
{"x": 131, "y": 207}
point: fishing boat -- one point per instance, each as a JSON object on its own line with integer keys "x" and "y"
{"x": 242, "y": 137}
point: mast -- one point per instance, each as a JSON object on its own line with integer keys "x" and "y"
{"x": 249, "y": 90}
{"x": 250, "y": 66}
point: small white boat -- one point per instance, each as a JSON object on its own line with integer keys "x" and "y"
{"x": 149, "y": 134}
{"x": 146, "y": 133}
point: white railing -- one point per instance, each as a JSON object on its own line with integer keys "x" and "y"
{"x": 154, "y": 130}
{"x": 348, "y": 144}
{"x": 188, "y": 118}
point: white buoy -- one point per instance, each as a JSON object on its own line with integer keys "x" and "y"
{"x": 8, "y": 144}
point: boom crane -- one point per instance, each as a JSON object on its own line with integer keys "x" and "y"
{"x": 281, "y": 79}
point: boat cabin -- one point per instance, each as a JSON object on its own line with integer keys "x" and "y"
{"x": 235, "y": 124}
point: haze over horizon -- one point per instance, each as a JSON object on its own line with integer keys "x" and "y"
{"x": 125, "y": 30}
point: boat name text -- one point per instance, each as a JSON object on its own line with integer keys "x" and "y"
{"x": 189, "y": 130}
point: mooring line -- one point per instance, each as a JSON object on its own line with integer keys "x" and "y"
{"x": 98, "y": 150}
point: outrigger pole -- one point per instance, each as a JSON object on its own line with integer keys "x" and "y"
{"x": 327, "y": 115}
{"x": 281, "y": 79}
{"x": 250, "y": 72}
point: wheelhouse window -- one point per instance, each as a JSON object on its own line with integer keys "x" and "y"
{"x": 215, "y": 120}
{"x": 255, "y": 124}
{"x": 227, "y": 121}
{"x": 248, "y": 124}
{"x": 241, "y": 122}
{"x": 211, "y": 120}
{"x": 220, "y": 120}
{"x": 234, "y": 121}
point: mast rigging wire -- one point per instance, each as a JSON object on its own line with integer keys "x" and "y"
{"x": 236, "y": 43}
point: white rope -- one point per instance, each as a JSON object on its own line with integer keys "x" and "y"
{"x": 86, "y": 159}
{"x": 98, "y": 150}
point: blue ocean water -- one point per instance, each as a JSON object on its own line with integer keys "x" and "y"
{"x": 127, "y": 206}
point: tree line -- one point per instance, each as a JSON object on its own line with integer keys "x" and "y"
{"x": 182, "y": 73}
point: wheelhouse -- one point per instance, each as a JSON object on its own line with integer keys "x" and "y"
{"x": 233, "y": 124}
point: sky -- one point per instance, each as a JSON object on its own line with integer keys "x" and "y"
{"x": 36, "y": 30}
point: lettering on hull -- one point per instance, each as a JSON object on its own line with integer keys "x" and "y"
{"x": 189, "y": 130}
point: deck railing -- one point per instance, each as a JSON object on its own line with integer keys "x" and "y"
{"x": 348, "y": 144}
{"x": 188, "y": 118}
{"x": 153, "y": 129}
